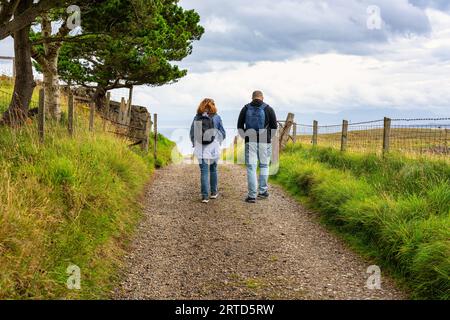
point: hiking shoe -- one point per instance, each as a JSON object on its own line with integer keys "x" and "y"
{"x": 214, "y": 195}
{"x": 264, "y": 195}
{"x": 250, "y": 200}
{"x": 205, "y": 200}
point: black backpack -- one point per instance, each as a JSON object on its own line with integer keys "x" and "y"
{"x": 207, "y": 124}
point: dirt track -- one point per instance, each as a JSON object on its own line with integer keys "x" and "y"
{"x": 229, "y": 249}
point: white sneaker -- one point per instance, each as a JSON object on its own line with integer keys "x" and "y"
{"x": 214, "y": 196}
{"x": 205, "y": 200}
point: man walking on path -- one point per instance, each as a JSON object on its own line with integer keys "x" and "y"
{"x": 256, "y": 124}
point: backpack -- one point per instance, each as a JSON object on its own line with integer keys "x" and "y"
{"x": 207, "y": 125}
{"x": 255, "y": 117}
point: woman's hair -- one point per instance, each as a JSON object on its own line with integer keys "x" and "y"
{"x": 208, "y": 106}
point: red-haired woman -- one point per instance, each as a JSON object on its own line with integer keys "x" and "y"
{"x": 207, "y": 133}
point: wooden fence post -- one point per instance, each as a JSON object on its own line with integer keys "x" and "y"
{"x": 122, "y": 111}
{"x": 284, "y": 134}
{"x": 344, "y": 136}
{"x": 155, "y": 129}
{"x": 91, "y": 116}
{"x": 130, "y": 101}
{"x": 315, "y": 132}
{"x": 106, "y": 111}
{"x": 41, "y": 115}
{"x": 294, "y": 132}
{"x": 70, "y": 114}
{"x": 386, "y": 135}
{"x": 148, "y": 125}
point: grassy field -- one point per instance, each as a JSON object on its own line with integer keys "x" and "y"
{"x": 69, "y": 201}
{"x": 394, "y": 210}
{"x": 6, "y": 90}
{"x": 431, "y": 142}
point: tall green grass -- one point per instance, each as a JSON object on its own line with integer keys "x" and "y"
{"x": 394, "y": 209}
{"x": 67, "y": 201}
{"x": 6, "y": 91}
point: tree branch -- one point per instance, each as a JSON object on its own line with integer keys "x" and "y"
{"x": 39, "y": 58}
{"x": 64, "y": 38}
{"x": 8, "y": 10}
{"x": 26, "y": 18}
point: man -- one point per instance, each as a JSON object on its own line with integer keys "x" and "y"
{"x": 257, "y": 123}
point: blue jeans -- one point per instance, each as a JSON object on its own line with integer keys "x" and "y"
{"x": 208, "y": 177}
{"x": 254, "y": 153}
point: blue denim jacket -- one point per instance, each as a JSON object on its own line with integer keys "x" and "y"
{"x": 217, "y": 120}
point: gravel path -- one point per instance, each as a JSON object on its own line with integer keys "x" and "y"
{"x": 228, "y": 249}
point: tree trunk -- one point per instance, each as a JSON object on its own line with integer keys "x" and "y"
{"x": 52, "y": 93}
{"x": 24, "y": 84}
{"x": 50, "y": 71}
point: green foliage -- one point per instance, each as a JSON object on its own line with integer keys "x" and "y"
{"x": 67, "y": 201}
{"x": 395, "y": 210}
{"x": 136, "y": 49}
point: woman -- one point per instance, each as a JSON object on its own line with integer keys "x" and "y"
{"x": 207, "y": 133}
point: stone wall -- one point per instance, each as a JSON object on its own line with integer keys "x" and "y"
{"x": 135, "y": 123}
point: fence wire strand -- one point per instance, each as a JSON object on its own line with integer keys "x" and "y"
{"x": 421, "y": 136}
{"x": 365, "y": 136}
{"x": 304, "y": 133}
{"x": 414, "y": 136}
{"x": 329, "y": 136}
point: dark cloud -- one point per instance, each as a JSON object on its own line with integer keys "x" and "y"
{"x": 437, "y": 4}
{"x": 255, "y": 30}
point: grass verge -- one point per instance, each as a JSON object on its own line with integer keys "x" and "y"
{"x": 69, "y": 201}
{"x": 393, "y": 209}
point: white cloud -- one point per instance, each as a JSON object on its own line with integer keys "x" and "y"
{"x": 322, "y": 83}
{"x": 216, "y": 24}
{"x": 404, "y": 74}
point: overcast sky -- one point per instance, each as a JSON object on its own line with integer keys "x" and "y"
{"x": 317, "y": 59}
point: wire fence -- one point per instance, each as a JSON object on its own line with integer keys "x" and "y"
{"x": 329, "y": 136}
{"x": 5, "y": 100}
{"x": 415, "y": 136}
{"x": 130, "y": 122}
{"x": 419, "y": 136}
{"x": 366, "y": 136}
{"x": 424, "y": 136}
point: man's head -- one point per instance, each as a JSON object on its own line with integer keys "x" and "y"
{"x": 257, "y": 95}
